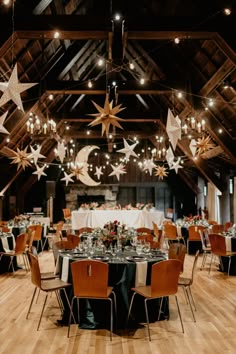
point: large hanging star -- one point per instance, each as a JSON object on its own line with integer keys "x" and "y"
{"x": 176, "y": 165}
{"x": 21, "y": 158}
{"x": 2, "y": 119}
{"x": 61, "y": 151}
{"x": 148, "y": 165}
{"x": 40, "y": 172}
{"x": 35, "y": 154}
{"x": 107, "y": 116}
{"x": 67, "y": 178}
{"x": 161, "y": 172}
{"x": 128, "y": 150}
{"x": 204, "y": 144}
{"x": 173, "y": 129}
{"x": 12, "y": 89}
{"x": 98, "y": 172}
{"x": 169, "y": 156}
{"x": 118, "y": 170}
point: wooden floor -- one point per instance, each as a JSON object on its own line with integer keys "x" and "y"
{"x": 213, "y": 332}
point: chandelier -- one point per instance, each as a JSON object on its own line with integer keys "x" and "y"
{"x": 191, "y": 127}
{"x": 40, "y": 126}
{"x": 159, "y": 152}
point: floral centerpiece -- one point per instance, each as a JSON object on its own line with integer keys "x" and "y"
{"x": 194, "y": 220}
{"x": 21, "y": 218}
{"x": 113, "y": 233}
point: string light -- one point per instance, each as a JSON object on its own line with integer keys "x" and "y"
{"x": 90, "y": 84}
{"x": 100, "y": 62}
{"x": 227, "y": 11}
{"x": 142, "y": 81}
{"x": 131, "y": 66}
{"x": 176, "y": 40}
{"x": 56, "y": 34}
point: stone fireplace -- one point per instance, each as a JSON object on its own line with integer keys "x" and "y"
{"x": 79, "y": 194}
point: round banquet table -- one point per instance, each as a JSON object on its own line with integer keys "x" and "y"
{"x": 122, "y": 274}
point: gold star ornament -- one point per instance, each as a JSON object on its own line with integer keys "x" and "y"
{"x": 161, "y": 172}
{"x": 107, "y": 116}
{"x": 204, "y": 144}
{"x": 21, "y": 158}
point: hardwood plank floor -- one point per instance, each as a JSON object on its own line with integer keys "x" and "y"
{"x": 213, "y": 332}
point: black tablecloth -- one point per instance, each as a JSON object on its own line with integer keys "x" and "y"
{"x": 95, "y": 314}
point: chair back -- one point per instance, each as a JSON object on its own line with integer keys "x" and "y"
{"x": 177, "y": 251}
{"x": 66, "y": 213}
{"x": 205, "y": 239}
{"x": 170, "y": 231}
{"x": 20, "y": 243}
{"x": 85, "y": 229}
{"x": 89, "y": 278}
{"x": 35, "y": 270}
{"x": 164, "y": 277}
{"x": 5, "y": 229}
{"x": 217, "y": 242}
{"x": 144, "y": 230}
{"x": 145, "y": 237}
{"x": 73, "y": 239}
{"x": 217, "y": 229}
{"x": 212, "y": 222}
{"x": 227, "y": 225}
{"x": 156, "y": 231}
{"x": 38, "y": 229}
{"x": 193, "y": 232}
{"x": 59, "y": 228}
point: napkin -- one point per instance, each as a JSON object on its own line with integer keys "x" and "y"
{"x": 228, "y": 244}
{"x": 65, "y": 269}
{"x": 5, "y": 244}
{"x": 141, "y": 273}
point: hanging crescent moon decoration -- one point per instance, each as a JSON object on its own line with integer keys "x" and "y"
{"x": 82, "y": 161}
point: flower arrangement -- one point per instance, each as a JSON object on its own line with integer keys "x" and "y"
{"x": 21, "y": 218}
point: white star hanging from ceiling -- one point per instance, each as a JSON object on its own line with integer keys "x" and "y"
{"x": 40, "y": 172}
{"x": 169, "y": 156}
{"x": 128, "y": 150}
{"x": 61, "y": 151}
{"x": 12, "y": 89}
{"x": 68, "y": 178}
{"x": 173, "y": 129}
{"x": 149, "y": 165}
{"x": 176, "y": 165}
{"x": 118, "y": 170}
{"x": 35, "y": 154}
{"x": 2, "y": 119}
{"x": 193, "y": 147}
{"x": 98, "y": 172}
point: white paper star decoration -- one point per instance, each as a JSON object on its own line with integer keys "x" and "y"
{"x": 12, "y": 89}
{"x": 107, "y": 116}
{"x": 161, "y": 172}
{"x": 40, "y": 172}
{"x": 61, "y": 151}
{"x": 149, "y": 165}
{"x": 68, "y": 178}
{"x": 173, "y": 129}
{"x": 21, "y": 158}
{"x": 117, "y": 171}
{"x": 35, "y": 154}
{"x": 169, "y": 156}
{"x": 193, "y": 147}
{"x": 128, "y": 150}
{"x": 2, "y": 120}
{"x": 176, "y": 165}
{"x": 98, "y": 172}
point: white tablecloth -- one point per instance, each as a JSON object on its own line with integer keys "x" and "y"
{"x": 131, "y": 218}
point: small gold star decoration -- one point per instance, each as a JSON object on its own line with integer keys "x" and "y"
{"x": 21, "y": 158}
{"x": 204, "y": 144}
{"x": 161, "y": 172}
{"x": 107, "y": 116}
{"x": 78, "y": 171}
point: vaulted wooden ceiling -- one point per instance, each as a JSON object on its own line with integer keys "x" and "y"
{"x": 199, "y": 66}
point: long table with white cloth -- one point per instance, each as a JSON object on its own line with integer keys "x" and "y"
{"x": 131, "y": 218}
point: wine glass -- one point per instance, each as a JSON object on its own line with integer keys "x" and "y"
{"x": 139, "y": 248}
